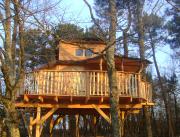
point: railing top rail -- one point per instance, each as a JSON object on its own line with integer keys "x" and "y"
{"x": 100, "y": 71}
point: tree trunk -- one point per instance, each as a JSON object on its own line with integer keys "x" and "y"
{"x": 148, "y": 121}
{"x": 176, "y": 109}
{"x": 14, "y": 130}
{"x": 140, "y": 27}
{"x": 125, "y": 43}
{"x": 114, "y": 96}
{"x": 12, "y": 120}
{"x": 164, "y": 95}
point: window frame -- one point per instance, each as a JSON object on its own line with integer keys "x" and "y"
{"x": 90, "y": 54}
{"x": 83, "y": 52}
{"x": 79, "y": 54}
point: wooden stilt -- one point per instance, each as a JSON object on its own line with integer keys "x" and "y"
{"x": 30, "y": 127}
{"x": 51, "y": 126}
{"x": 122, "y": 116}
{"x": 38, "y": 117}
{"x": 54, "y": 122}
{"x": 94, "y": 125}
{"x": 41, "y": 129}
{"x": 77, "y": 125}
{"x": 85, "y": 125}
{"x": 46, "y": 116}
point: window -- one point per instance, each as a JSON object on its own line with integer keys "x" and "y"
{"x": 88, "y": 53}
{"x": 84, "y": 53}
{"x": 79, "y": 52}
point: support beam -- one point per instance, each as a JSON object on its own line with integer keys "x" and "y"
{"x": 87, "y": 99}
{"x": 26, "y": 124}
{"x": 82, "y": 106}
{"x": 38, "y": 117}
{"x": 30, "y": 127}
{"x": 71, "y": 99}
{"x": 102, "y": 113}
{"x": 101, "y": 100}
{"x": 94, "y": 123}
{"x": 135, "y": 111}
{"x": 77, "y": 125}
{"x": 46, "y": 116}
{"x": 43, "y": 118}
{"x": 56, "y": 99}
{"x": 122, "y": 118}
{"x": 41, "y": 98}
{"x": 51, "y": 125}
{"x": 148, "y": 104}
{"x": 55, "y": 122}
{"x": 26, "y": 99}
{"x": 41, "y": 128}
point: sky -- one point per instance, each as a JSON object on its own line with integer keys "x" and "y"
{"x": 78, "y": 13}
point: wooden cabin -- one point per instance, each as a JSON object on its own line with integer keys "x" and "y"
{"x": 78, "y": 81}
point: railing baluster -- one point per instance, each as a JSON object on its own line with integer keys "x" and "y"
{"x": 61, "y": 82}
{"x": 136, "y": 86}
{"x": 94, "y": 83}
{"x": 98, "y": 83}
{"x": 58, "y": 84}
{"x": 91, "y": 84}
{"x": 101, "y": 81}
{"x": 37, "y": 83}
{"x": 84, "y": 83}
{"x": 105, "y": 84}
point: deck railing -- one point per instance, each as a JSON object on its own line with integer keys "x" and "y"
{"x": 85, "y": 83}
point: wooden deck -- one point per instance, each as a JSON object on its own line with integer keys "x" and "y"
{"x": 58, "y": 93}
{"x": 84, "y": 84}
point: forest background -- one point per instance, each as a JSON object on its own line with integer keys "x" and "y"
{"x": 148, "y": 29}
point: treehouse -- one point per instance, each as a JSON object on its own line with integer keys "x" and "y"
{"x": 77, "y": 84}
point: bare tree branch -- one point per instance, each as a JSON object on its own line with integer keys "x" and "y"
{"x": 94, "y": 19}
{"x": 174, "y": 6}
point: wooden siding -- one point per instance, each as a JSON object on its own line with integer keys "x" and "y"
{"x": 67, "y": 50}
{"x": 84, "y": 83}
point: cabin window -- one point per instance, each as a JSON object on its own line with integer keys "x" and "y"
{"x": 88, "y": 53}
{"x": 84, "y": 52}
{"x": 79, "y": 52}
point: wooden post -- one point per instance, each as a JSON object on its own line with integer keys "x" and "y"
{"x": 51, "y": 125}
{"x": 30, "y": 126}
{"x": 122, "y": 116}
{"x": 122, "y": 65}
{"x": 38, "y": 116}
{"x": 139, "y": 85}
{"x": 94, "y": 125}
{"x": 77, "y": 125}
{"x": 100, "y": 64}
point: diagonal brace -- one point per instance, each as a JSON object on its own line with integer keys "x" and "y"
{"x": 102, "y": 113}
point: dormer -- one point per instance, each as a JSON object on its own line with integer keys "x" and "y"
{"x": 79, "y": 49}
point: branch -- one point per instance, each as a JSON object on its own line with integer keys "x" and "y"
{"x": 4, "y": 100}
{"x": 93, "y": 18}
{"x": 129, "y": 20}
{"x": 174, "y": 6}
{"x": 2, "y": 37}
{"x": 5, "y": 69}
{"x": 21, "y": 54}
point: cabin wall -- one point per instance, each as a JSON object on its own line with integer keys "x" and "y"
{"x": 93, "y": 66}
{"x": 66, "y": 68}
{"x": 69, "y": 68}
{"x": 67, "y": 51}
